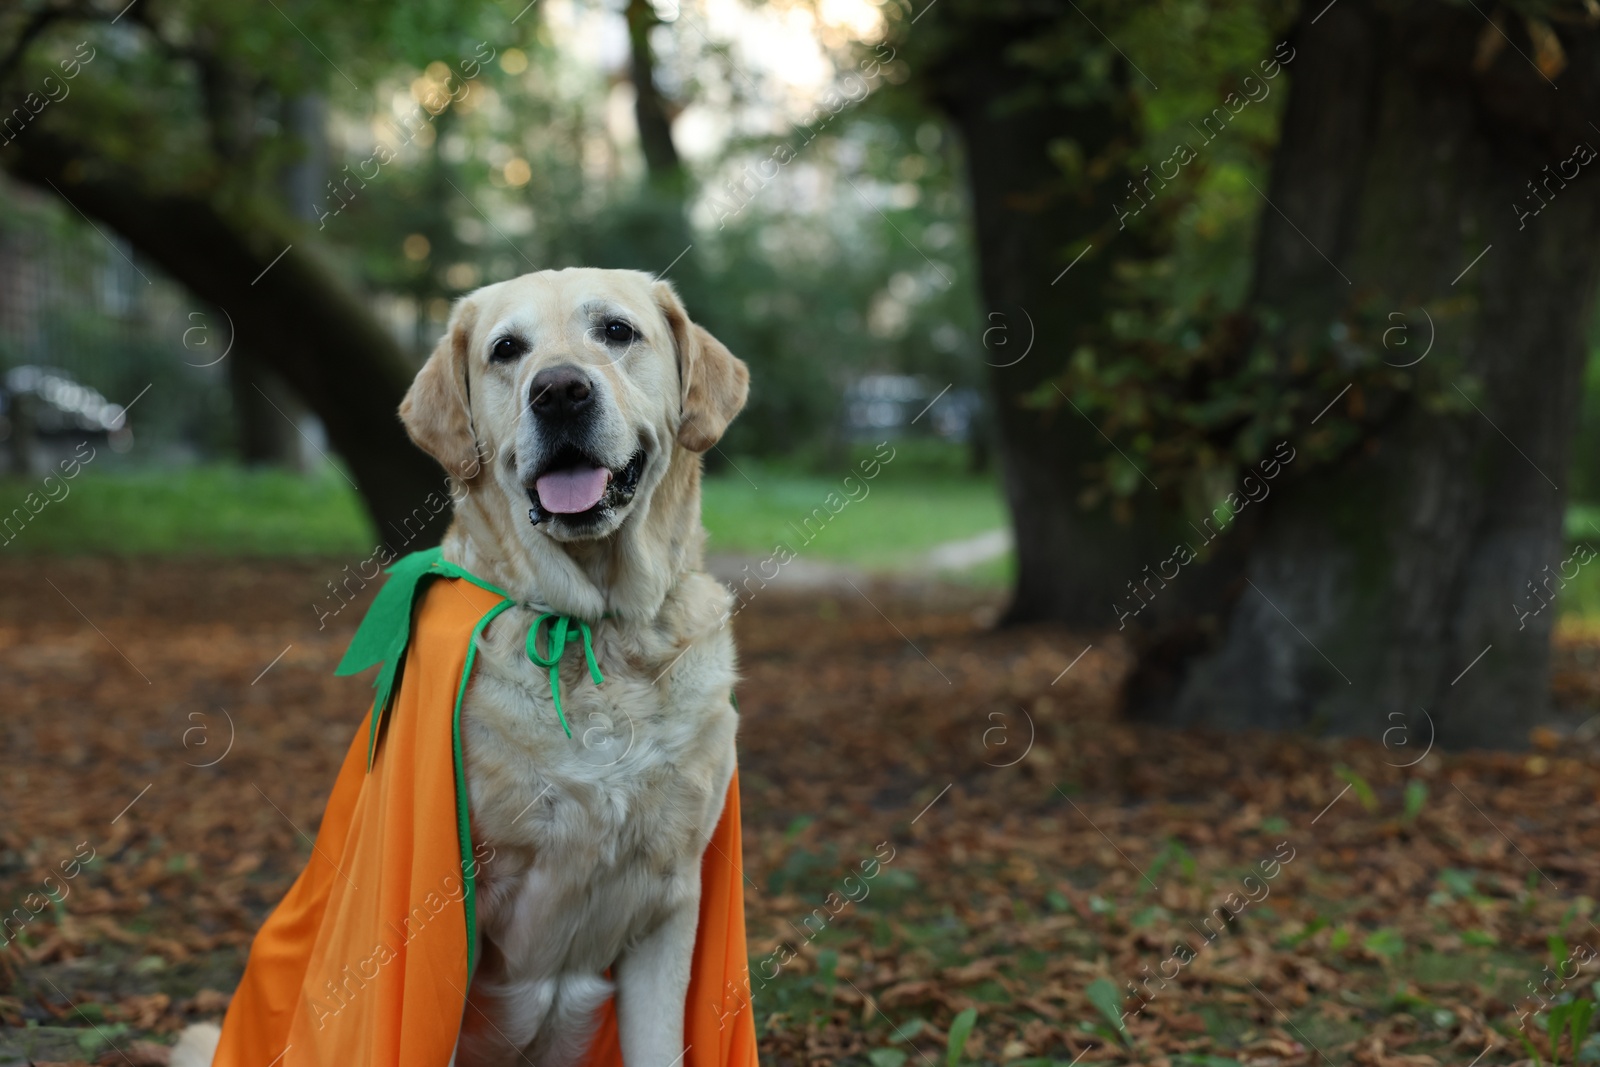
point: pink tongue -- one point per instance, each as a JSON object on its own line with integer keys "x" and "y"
{"x": 571, "y": 491}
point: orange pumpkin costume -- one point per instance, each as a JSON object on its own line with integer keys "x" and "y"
{"x": 366, "y": 960}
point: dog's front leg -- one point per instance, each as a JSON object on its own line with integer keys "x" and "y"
{"x": 653, "y": 986}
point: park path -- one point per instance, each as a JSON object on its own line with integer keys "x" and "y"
{"x": 804, "y": 573}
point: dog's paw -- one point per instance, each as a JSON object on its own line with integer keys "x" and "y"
{"x": 196, "y": 1046}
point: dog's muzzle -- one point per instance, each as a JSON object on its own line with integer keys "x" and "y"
{"x": 577, "y": 487}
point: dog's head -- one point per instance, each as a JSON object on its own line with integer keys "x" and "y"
{"x": 568, "y": 396}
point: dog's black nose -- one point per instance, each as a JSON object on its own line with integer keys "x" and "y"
{"x": 560, "y": 392}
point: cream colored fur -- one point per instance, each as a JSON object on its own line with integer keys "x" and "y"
{"x": 594, "y": 842}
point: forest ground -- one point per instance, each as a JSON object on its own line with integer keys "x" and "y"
{"x": 1045, "y": 853}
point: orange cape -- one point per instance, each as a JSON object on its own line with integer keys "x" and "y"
{"x": 365, "y": 962}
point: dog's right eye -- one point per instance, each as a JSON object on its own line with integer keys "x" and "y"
{"x": 507, "y": 349}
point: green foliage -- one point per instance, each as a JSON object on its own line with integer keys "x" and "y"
{"x": 804, "y": 869}
{"x": 1385, "y": 943}
{"x": 503, "y": 162}
{"x": 1578, "y": 1015}
{"x": 1460, "y": 884}
{"x": 1572, "y": 1021}
{"x": 1202, "y": 398}
{"x": 102, "y": 1035}
{"x": 882, "y": 283}
{"x": 1172, "y": 852}
{"x": 1310, "y": 930}
{"x": 1191, "y": 380}
{"x": 828, "y": 969}
{"x": 1107, "y": 1000}
{"x": 960, "y": 1029}
{"x": 1363, "y": 790}
{"x": 1415, "y": 797}
{"x": 145, "y": 100}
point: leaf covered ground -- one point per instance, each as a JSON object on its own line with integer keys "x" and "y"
{"x": 945, "y": 824}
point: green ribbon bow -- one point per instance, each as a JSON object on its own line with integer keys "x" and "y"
{"x": 386, "y": 632}
{"x": 556, "y": 645}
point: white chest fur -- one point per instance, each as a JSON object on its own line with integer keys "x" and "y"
{"x": 594, "y": 841}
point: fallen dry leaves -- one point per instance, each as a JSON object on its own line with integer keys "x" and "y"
{"x": 1040, "y": 845}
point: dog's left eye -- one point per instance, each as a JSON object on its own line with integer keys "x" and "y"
{"x": 507, "y": 349}
{"x": 618, "y": 332}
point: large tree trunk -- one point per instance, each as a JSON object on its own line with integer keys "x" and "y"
{"x": 1033, "y": 217}
{"x": 263, "y": 435}
{"x": 1373, "y": 587}
{"x": 649, "y": 106}
{"x": 655, "y": 227}
{"x": 288, "y": 309}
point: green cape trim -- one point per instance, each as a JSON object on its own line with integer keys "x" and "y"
{"x": 385, "y": 634}
{"x": 382, "y": 638}
{"x": 469, "y": 865}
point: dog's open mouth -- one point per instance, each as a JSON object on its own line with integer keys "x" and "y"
{"x": 577, "y": 488}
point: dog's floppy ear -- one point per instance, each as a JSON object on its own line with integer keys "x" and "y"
{"x": 436, "y": 411}
{"x": 715, "y": 381}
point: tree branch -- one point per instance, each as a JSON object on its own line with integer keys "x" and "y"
{"x": 41, "y": 21}
{"x": 291, "y": 312}
{"x": 650, "y": 109}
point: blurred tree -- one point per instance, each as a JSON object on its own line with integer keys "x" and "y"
{"x": 849, "y": 260}
{"x": 1419, "y": 515}
{"x": 1428, "y": 152}
{"x": 265, "y": 412}
{"x": 656, "y": 218}
{"x": 171, "y": 134}
{"x": 1052, "y": 124}
{"x": 264, "y": 436}
{"x": 650, "y": 108}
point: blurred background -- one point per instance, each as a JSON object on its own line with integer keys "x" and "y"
{"x": 463, "y": 155}
{"x": 1235, "y": 363}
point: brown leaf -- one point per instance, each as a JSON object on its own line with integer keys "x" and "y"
{"x": 136, "y": 1054}
{"x": 144, "y": 1011}
{"x": 208, "y": 1002}
{"x": 1491, "y": 39}
{"x": 973, "y": 972}
{"x": 909, "y": 993}
{"x": 1548, "y": 55}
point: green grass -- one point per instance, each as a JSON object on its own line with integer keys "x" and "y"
{"x": 914, "y": 503}
{"x": 1580, "y": 598}
{"x": 199, "y": 510}
{"x": 228, "y": 511}
{"x": 892, "y": 523}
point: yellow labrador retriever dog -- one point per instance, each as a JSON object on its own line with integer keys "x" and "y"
{"x": 574, "y": 405}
